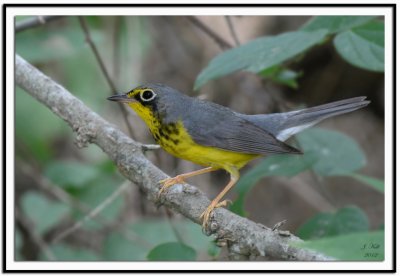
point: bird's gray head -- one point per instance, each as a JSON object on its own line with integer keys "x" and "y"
{"x": 152, "y": 99}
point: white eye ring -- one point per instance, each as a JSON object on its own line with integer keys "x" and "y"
{"x": 147, "y": 95}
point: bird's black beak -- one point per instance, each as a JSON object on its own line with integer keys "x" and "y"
{"x": 122, "y": 98}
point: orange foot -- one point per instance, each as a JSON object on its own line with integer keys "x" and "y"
{"x": 170, "y": 182}
{"x": 205, "y": 216}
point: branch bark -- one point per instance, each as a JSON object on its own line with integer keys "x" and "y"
{"x": 242, "y": 236}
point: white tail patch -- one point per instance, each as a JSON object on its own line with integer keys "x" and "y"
{"x": 289, "y": 132}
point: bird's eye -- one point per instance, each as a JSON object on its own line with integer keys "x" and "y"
{"x": 147, "y": 95}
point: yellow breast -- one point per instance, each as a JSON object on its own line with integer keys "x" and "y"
{"x": 175, "y": 139}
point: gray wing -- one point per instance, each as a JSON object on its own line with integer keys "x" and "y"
{"x": 213, "y": 125}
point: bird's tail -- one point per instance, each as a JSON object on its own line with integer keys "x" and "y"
{"x": 299, "y": 120}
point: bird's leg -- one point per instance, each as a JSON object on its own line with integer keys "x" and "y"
{"x": 205, "y": 216}
{"x": 181, "y": 178}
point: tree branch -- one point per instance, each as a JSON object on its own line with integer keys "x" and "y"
{"x": 232, "y": 30}
{"x": 34, "y": 22}
{"x": 242, "y": 236}
{"x": 222, "y": 43}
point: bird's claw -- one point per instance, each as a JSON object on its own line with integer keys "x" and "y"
{"x": 205, "y": 216}
{"x": 168, "y": 182}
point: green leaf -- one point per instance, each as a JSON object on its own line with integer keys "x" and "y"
{"x": 363, "y": 46}
{"x": 157, "y": 232}
{"x": 65, "y": 252}
{"x": 337, "y": 153}
{"x": 260, "y": 54}
{"x": 69, "y": 174}
{"x": 281, "y": 75}
{"x": 43, "y": 212}
{"x": 172, "y": 251}
{"x": 280, "y": 165}
{"x": 377, "y": 184}
{"x": 343, "y": 221}
{"x": 368, "y": 246}
{"x": 287, "y": 77}
{"x": 335, "y": 24}
{"x": 118, "y": 248}
{"x": 152, "y": 233}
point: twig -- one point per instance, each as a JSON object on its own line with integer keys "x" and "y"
{"x": 34, "y": 22}
{"x": 222, "y": 43}
{"x": 232, "y": 30}
{"x": 278, "y": 225}
{"x": 36, "y": 238}
{"x": 94, "y": 212}
{"x": 149, "y": 147}
{"x": 96, "y": 53}
{"x": 245, "y": 236}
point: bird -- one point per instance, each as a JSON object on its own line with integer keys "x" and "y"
{"x": 216, "y": 137}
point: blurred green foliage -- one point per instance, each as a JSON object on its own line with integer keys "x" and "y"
{"x": 337, "y": 153}
{"x": 377, "y": 184}
{"x": 56, "y": 44}
{"x": 326, "y": 152}
{"x": 363, "y": 46}
{"x": 152, "y": 233}
{"x": 335, "y": 24}
{"x": 260, "y": 54}
{"x": 276, "y": 165}
{"x": 31, "y": 131}
{"x": 61, "y": 52}
{"x": 343, "y": 235}
{"x": 345, "y": 220}
{"x": 359, "y": 40}
{"x": 66, "y": 252}
{"x": 69, "y": 174}
{"x": 95, "y": 193}
{"x": 366, "y": 246}
{"x": 172, "y": 251}
{"x": 279, "y": 74}
{"x": 44, "y": 213}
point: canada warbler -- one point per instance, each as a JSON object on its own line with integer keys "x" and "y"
{"x": 216, "y": 137}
